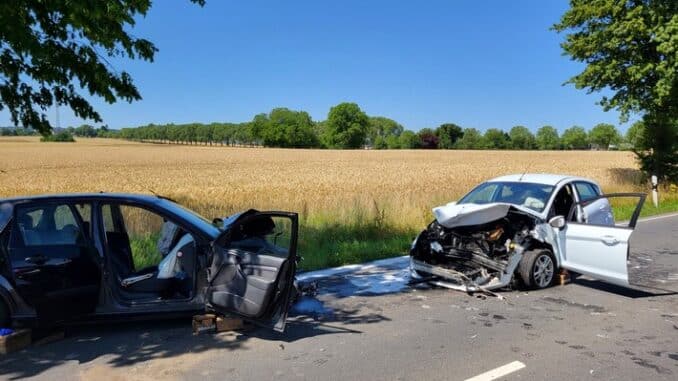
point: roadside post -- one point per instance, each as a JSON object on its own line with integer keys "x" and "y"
{"x": 655, "y": 195}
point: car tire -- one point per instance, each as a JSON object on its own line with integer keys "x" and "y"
{"x": 4, "y": 315}
{"x": 537, "y": 269}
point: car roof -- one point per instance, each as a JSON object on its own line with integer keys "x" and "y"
{"x": 539, "y": 178}
{"x": 84, "y": 196}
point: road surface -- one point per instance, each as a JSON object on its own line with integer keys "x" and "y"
{"x": 366, "y": 323}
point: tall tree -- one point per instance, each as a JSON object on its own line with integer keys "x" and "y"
{"x": 522, "y": 138}
{"x": 634, "y": 135}
{"x": 427, "y": 138}
{"x": 547, "y": 138}
{"x": 50, "y": 48}
{"x": 380, "y": 128}
{"x": 472, "y": 139}
{"x": 575, "y": 137}
{"x": 409, "y": 140}
{"x": 495, "y": 138}
{"x": 631, "y": 49}
{"x": 448, "y": 134}
{"x": 603, "y": 134}
{"x": 346, "y": 126}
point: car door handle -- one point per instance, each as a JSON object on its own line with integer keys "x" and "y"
{"x": 609, "y": 240}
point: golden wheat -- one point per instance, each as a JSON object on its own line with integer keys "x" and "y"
{"x": 400, "y": 186}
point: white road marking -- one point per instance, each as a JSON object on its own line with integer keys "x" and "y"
{"x": 498, "y": 372}
{"x": 658, "y": 217}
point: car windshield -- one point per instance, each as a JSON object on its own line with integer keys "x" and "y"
{"x": 529, "y": 195}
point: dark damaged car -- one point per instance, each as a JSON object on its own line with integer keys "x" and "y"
{"x": 525, "y": 228}
{"x": 100, "y": 256}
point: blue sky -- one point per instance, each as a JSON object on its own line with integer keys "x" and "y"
{"x": 479, "y": 64}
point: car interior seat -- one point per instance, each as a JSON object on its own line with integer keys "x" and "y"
{"x": 563, "y": 203}
{"x": 30, "y": 236}
{"x": 174, "y": 245}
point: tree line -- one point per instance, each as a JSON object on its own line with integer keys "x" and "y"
{"x": 348, "y": 127}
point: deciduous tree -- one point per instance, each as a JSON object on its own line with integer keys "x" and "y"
{"x": 547, "y": 138}
{"x": 575, "y": 137}
{"x": 630, "y": 49}
{"x": 52, "y": 51}
{"x": 346, "y": 126}
{"x": 603, "y": 134}
{"x": 448, "y": 134}
{"x": 522, "y": 138}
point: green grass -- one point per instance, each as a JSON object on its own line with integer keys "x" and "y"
{"x": 623, "y": 212}
{"x": 144, "y": 251}
{"x": 330, "y": 245}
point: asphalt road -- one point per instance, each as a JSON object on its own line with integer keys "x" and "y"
{"x": 366, "y": 323}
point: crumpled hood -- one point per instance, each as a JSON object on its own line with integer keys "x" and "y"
{"x": 455, "y": 215}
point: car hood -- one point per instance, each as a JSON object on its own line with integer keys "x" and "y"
{"x": 455, "y": 215}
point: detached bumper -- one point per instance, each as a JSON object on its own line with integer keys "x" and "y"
{"x": 450, "y": 279}
{"x": 455, "y": 280}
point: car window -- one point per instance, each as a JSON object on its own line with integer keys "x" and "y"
{"x": 586, "y": 191}
{"x": 528, "y": 195}
{"x": 85, "y": 212}
{"x": 141, "y": 236}
{"x": 107, "y": 216}
{"x": 46, "y": 225}
{"x": 483, "y": 194}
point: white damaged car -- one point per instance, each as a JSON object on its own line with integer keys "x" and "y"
{"x": 527, "y": 227}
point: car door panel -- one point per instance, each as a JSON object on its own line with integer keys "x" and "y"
{"x": 597, "y": 249}
{"x": 60, "y": 280}
{"x": 241, "y": 284}
{"x": 250, "y": 276}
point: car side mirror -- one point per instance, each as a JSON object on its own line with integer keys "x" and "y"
{"x": 557, "y": 222}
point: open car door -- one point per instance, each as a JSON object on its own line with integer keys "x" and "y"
{"x": 607, "y": 251}
{"x": 252, "y": 269}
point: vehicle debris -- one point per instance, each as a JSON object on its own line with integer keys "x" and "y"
{"x": 475, "y": 258}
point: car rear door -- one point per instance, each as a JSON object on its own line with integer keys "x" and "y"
{"x": 54, "y": 262}
{"x": 608, "y": 253}
{"x": 252, "y": 268}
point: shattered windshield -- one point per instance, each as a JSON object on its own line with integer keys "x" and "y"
{"x": 529, "y": 195}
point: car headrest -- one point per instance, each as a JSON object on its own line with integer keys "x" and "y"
{"x": 26, "y": 221}
{"x": 168, "y": 235}
{"x": 257, "y": 226}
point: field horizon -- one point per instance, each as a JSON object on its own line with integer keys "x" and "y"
{"x": 354, "y": 205}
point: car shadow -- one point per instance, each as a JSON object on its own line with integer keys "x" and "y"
{"x": 619, "y": 290}
{"x": 126, "y": 344}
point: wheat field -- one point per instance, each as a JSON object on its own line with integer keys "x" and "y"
{"x": 392, "y": 191}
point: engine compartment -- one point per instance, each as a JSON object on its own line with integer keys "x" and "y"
{"x": 479, "y": 255}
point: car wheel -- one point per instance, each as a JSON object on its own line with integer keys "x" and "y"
{"x": 4, "y": 315}
{"x": 538, "y": 268}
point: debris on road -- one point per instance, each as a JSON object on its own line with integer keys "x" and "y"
{"x": 15, "y": 341}
{"x": 215, "y": 324}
